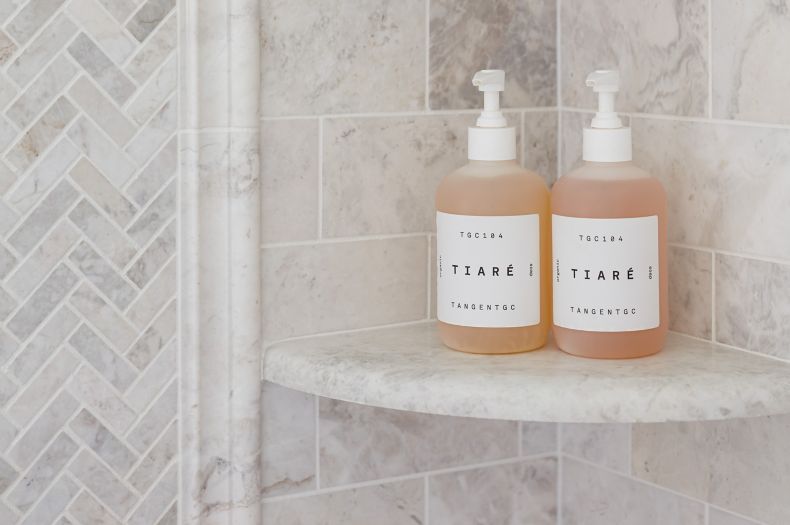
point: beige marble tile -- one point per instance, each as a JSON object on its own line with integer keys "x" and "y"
{"x": 593, "y": 496}
{"x": 604, "y": 444}
{"x": 343, "y": 285}
{"x": 396, "y": 503}
{"x": 339, "y": 57}
{"x": 660, "y": 49}
{"x": 540, "y": 144}
{"x": 741, "y": 465}
{"x": 289, "y": 176}
{"x": 538, "y": 438}
{"x": 362, "y": 443}
{"x": 515, "y": 493}
{"x": 380, "y": 174}
{"x": 289, "y": 440}
{"x": 751, "y": 47}
{"x": 753, "y": 304}
{"x": 468, "y": 35}
{"x": 727, "y": 185}
{"x": 690, "y": 291}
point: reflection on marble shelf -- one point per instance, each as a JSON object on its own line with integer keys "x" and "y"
{"x": 407, "y": 368}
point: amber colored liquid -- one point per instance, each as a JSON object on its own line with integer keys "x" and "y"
{"x": 500, "y": 188}
{"x": 614, "y": 190}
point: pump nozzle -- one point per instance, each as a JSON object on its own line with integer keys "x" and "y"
{"x": 491, "y": 82}
{"x": 606, "y": 83}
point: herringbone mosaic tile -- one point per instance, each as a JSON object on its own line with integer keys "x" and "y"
{"x": 88, "y": 356}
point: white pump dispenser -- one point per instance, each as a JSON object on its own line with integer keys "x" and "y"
{"x": 491, "y": 139}
{"x": 606, "y": 140}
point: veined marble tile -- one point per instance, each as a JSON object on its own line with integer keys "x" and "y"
{"x": 726, "y": 185}
{"x": 7, "y": 48}
{"x": 43, "y": 388}
{"x": 43, "y": 301}
{"x": 540, "y": 144}
{"x": 289, "y": 174}
{"x": 98, "y": 23}
{"x": 103, "y": 442}
{"x": 53, "y": 503}
{"x": 7, "y": 475}
{"x": 158, "y": 500}
{"x": 156, "y": 49}
{"x": 102, "y": 192}
{"x": 151, "y": 260}
{"x": 105, "y": 236}
{"x": 7, "y": 178}
{"x": 156, "y": 460}
{"x": 101, "y": 68}
{"x": 170, "y": 517}
{"x": 101, "y": 357}
{"x": 7, "y": 305}
{"x": 150, "y": 15}
{"x": 395, "y": 503}
{"x": 102, "y": 275}
{"x": 103, "y": 317}
{"x": 753, "y": 304}
{"x": 41, "y": 92}
{"x": 592, "y": 496}
{"x": 43, "y": 472}
{"x": 339, "y": 286}
{"x": 51, "y": 209}
{"x": 467, "y": 36}
{"x": 154, "y": 338}
{"x": 43, "y": 429}
{"x": 39, "y": 180}
{"x": 7, "y": 434}
{"x": 120, "y": 9}
{"x": 158, "y": 417}
{"x": 158, "y": 171}
{"x": 105, "y": 155}
{"x": 46, "y": 45}
{"x": 103, "y": 111}
{"x": 155, "y": 133}
{"x": 380, "y": 174}
{"x": 289, "y": 440}
{"x": 538, "y": 438}
{"x": 690, "y": 291}
{"x": 361, "y": 443}
{"x": 32, "y": 16}
{"x": 751, "y": 48}
{"x": 7, "y": 262}
{"x": 154, "y": 378}
{"x": 336, "y": 57}
{"x": 604, "y": 444}
{"x": 660, "y": 50}
{"x": 40, "y": 347}
{"x": 8, "y": 347}
{"x": 739, "y": 464}
{"x": 43, "y": 133}
{"x": 101, "y": 400}
{"x": 86, "y": 509}
{"x": 152, "y": 95}
{"x": 103, "y": 483}
{"x": 523, "y": 492}
{"x": 156, "y": 215}
{"x": 159, "y": 292}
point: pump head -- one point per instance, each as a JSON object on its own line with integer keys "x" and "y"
{"x": 606, "y": 83}
{"x": 491, "y": 82}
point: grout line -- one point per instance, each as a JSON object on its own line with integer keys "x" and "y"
{"x": 337, "y": 240}
{"x": 412, "y": 113}
{"x": 219, "y": 129}
{"x": 752, "y": 521}
{"x": 317, "y": 410}
{"x": 427, "y": 55}
{"x": 320, "y": 234}
{"x": 717, "y": 251}
{"x": 710, "y": 59}
{"x": 682, "y": 118}
{"x": 409, "y": 477}
{"x": 713, "y": 296}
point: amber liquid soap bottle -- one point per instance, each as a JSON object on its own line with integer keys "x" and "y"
{"x": 609, "y": 244}
{"x": 493, "y": 241}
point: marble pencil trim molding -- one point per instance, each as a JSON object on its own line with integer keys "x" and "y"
{"x": 220, "y": 273}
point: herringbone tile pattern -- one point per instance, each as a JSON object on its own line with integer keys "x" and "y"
{"x": 88, "y": 156}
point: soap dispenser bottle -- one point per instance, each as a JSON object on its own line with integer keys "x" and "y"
{"x": 493, "y": 241}
{"x": 609, "y": 244}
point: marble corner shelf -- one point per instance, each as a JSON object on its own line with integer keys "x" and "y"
{"x": 407, "y": 368}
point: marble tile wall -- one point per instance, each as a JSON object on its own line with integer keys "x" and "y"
{"x": 88, "y": 356}
{"x": 704, "y": 94}
{"x": 365, "y": 109}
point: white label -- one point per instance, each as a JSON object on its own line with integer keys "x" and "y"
{"x": 605, "y": 273}
{"x": 488, "y": 270}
